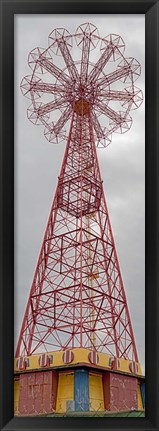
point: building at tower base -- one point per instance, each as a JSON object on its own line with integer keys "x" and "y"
{"x": 77, "y": 381}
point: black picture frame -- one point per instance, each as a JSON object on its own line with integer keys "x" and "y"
{"x": 151, "y": 10}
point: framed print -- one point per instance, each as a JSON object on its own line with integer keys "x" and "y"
{"x": 78, "y": 311}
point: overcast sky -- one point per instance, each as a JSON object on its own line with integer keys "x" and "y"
{"x": 122, "y": 164}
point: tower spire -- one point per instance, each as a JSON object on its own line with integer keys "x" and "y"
{"x": 77, "y": 298}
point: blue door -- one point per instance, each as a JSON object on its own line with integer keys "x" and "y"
{"x": 142, "y": 385}
{"x": 81, "y": 390}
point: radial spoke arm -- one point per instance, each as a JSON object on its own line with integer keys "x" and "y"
{"x": 114, "y": 76}
{"x": 97, "y": 127}
{"x": 114, "y": 116}
{"x": 63, "y": 119}
{"x": 44, "y": 87}
{"x": 68, "y": 59}
{"x": 98, "y": 67}
{"x": 54, "y": 70}
{"x": 118, "y": 95}
{"x": 85, "y": 59}
{"x": 48, "y": 107}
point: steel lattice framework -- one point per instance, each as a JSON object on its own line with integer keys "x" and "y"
{"x": 77, "y": 298}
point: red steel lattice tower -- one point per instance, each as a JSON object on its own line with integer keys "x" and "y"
{"x": 77, "y": 298}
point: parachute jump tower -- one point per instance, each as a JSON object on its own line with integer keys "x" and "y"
{"x": 77, "y": 331}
